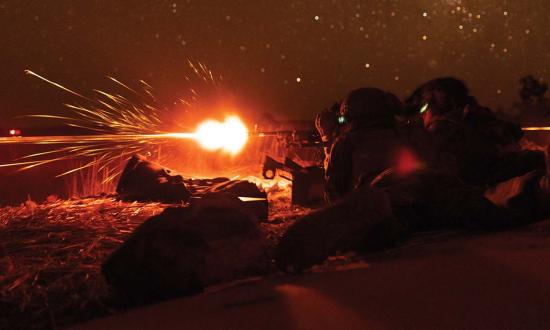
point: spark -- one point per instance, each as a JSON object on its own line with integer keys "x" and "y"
{"x": 123, "y": 125}
{"x": 230, "y": 136}
{"x": 29, "y": 72}
{"x": 83, "y": 139}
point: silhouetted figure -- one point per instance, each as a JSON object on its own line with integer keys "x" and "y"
{"x": 367, "y": 143}
{"x": 407, "y": 196}
{"x": 470, "y": 139}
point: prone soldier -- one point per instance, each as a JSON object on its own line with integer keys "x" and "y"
{"x": 468, "y": 138}
{"x": 380, "y": 185}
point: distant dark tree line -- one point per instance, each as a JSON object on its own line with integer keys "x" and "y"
{"x": 532, "y": 89}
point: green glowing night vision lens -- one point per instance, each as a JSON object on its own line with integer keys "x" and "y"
{"x": 424, "y": 108}
{"x": 341, "y": 120}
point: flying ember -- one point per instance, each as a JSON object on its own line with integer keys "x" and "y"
{"x": 229, "y": 136}
{"x": 121, "y": 126}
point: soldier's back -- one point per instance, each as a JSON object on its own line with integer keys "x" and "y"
{"x": 360, "y": 154}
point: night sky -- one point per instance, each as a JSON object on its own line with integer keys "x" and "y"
{"x": 288, "y": 57}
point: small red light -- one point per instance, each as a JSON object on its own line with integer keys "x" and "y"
{"x": 407, "y": 162}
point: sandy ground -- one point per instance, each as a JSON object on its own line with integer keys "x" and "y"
{"x": 434, "y": 281}
{"x": 50, "y": 256}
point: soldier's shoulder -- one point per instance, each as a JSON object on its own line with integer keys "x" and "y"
{"x": 445, "y": 126}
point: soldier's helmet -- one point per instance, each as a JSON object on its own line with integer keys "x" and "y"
{"x": 440, "y": 96}
{"x": 370, "y": 106}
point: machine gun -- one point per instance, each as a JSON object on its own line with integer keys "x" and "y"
{"x": 307, "y": 182}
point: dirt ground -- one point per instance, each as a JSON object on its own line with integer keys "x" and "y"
{"x": 51, "y": 253}
{"x": 434, "y": 281}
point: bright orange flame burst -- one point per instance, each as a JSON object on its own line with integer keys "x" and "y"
{"x": 229, "y": 136}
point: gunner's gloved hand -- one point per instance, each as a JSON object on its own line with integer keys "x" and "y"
{"x": 326, "y": 123}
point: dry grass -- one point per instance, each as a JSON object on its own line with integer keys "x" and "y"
{"x": 51, "y": 254}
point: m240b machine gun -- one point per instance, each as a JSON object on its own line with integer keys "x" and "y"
{"x": 307, "y": 182}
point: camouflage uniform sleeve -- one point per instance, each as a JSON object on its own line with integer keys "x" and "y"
{"x": 338, "y": 175}
{"x": 326, "y": 125}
